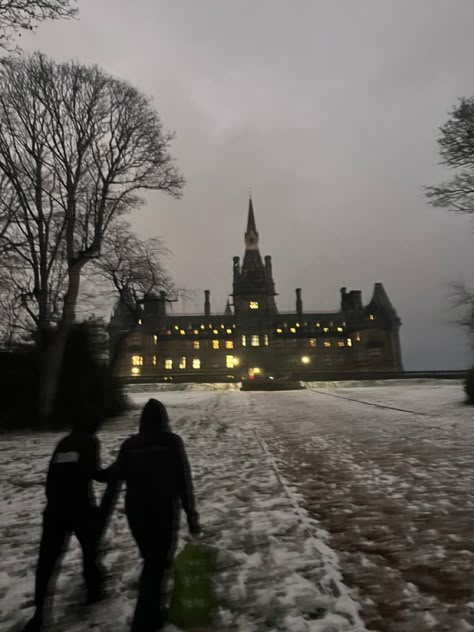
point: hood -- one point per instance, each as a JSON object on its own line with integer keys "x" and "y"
{"x": 154, "y": 417}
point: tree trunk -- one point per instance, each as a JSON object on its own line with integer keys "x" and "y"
{"x": 53, "y": 352}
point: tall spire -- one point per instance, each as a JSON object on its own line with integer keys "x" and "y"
{"x": 251, "y": 235}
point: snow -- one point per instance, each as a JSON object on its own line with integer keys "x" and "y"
{"x": 340, "y": 508}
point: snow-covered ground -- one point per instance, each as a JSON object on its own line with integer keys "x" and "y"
{"x": 382, "y": 474}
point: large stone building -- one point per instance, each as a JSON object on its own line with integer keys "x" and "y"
{"x": 252, "y": 337}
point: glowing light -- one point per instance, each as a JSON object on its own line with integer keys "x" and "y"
{"x": 215, "y": 344}
{"x": 135, "y": 370}
{"x": 279, "y": 331}
{"x": 327, "y": 343}
{"x": 155, "y": 339}
{"x": 196, "y": 332}
{"x": 176, "y": 327}
{"x": 371, "y": 317}
{"x": 168, "y": 364}
{"x": 341, "y": 343}
{"x": 139, "y": 321}
{"x": 312, "y": 342}
{"x": 137, "y": 360}
{"x": 293, "y": 330}
{"x": 244, "y": 341}
{"x": 305, "y": 360}
{"x": 196, "y": 344}
{"x": 154, "y": 360}
{"x": 196, "y": 363}
{"x": 229, "y": 331}
{"x": 265, "y": 340}
{"x": 349, "y": 342}
{"x": 229, "y": 361}
{"x": 236, "y": 361}
{"x": 253, "y": 304}
{"x": 297, "y": 324}
{"x": 229, "y": 344}
{"x": 215, "y": 331}
{"x": 255, "y": 341}
{"x": 182, "y": 332}
{"x": 326, "y": 329}
{"x": 340, "y": 329}
{"x": 182, "y": 363}
{"x": 202, "y": 327}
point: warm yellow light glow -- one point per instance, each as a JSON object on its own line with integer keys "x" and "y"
{"x": 326, "y": 329}
{"x": 357, "y": 337}
{"x": 182, "y": 363}
{"x": 253, "y": 304}
{"x": 196, "y": 332}
{"x": 340, "y": 329}
{"x": 255, "y": 371}
{"x": 236, "y": 361}
{"x": 215, "y": 344}
{"x": 196, "y": 344}
{"x": 293, "y": 330}
{"x": 371, "y": 317}
{"x": 137, "y": 360}
{"x": 327, "y": 343}
{"x": 279, "y": 331}
{"x": 312, "y": 342}
{"x": 349, "y": 342}
{"x": 139, "y": 321}
{"x": 176, "y": 327}
{"x": 154, "y": 360}
{"x": 196, "y": 363}
{"x": 182, "y": 332}
{"x": 168, "y": 363}
{"x": 202, "y": 327}
{"x": 265, "y": 340}
{"x": 305, "y": 360}
{"x": 135, "y": 370}
{"x": 155, "y": 339}
{"x": 255, "y": 341}
{"x": 341, "y": 343}
{"x": 244, "y": 341}
{"x": 222, "y": 327}
{"x": 318, "y": 325}
{"x": 229, "y": 331}
{"x": 229, "y": 344}
{"x": 229, "y": 361}
{"x": 297, "y": 324}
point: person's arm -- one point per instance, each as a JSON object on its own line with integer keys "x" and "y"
{"x": 185, "y": 488}
{"x": 102, "y": 475}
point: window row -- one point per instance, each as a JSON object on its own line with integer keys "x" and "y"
{"x": 180, "y": 363}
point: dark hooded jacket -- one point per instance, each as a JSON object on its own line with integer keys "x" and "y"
{"x": 154, "y": 465}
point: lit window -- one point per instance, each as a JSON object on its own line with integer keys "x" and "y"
{"x": 202, "y": 327}
{"x": 137, "y": 360}
{"x": 155, "y": 339}
{"x": 327, "y": 343}
{"x": 182, "y": 363}
{"x": 229, "y": 361}
{"x": 341, "y": 343}
{"x": 229, "y": 344}
{"x": 279, "y": 331}
{"x": 293, "y": 330}
{"x": 196, "y": 344}
{"x": 357, "y": 336}
{"x": 182, "y": 332}
{"x": 168, "y": 333}
{"x": 196, "y": 331}
{"x": 255, "y": 341}
{"x": 253, "y": 304}
{"x": 154, "y": 360}
{"x": 244, "y": 341}
{"x": 371, "y": 317}
{"x": 312, "y": 342}
{"x": 196, "y": 363}
{"x": 168, "y": 363}
{"x": 229, "y": 331}
{"x": 210, "y": 326}
{"x": 326, "y": 329}
{"x": 265, "y": 340}
{"x": 135, "y": 370}
{"x": 139, "y": 321}
{"x": 305, "y": 360}
{"x": 215, "y": 331}
{"x": 222, "y": 327}
{"x": 176, "y": 327}
{"x": 215, "y": 344}
{"x": 297, "y": 325}
{"x": 318, "y": 325}
{"x": 349, "y": 342}
{"x": 340, "y": 329}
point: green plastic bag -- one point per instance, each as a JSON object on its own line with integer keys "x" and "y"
{"x": 193, "y": 601}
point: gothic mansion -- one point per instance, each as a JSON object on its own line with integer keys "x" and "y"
{"x": 252, "y": 337}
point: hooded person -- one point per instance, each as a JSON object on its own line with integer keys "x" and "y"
{"x": 70, "y": 509}
{"x": 154, "y": 465}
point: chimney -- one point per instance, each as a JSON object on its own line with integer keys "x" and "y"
{"x": 162, "y": 304}
{"x": 207, "y": 304}
{"x": 299, "y": 302}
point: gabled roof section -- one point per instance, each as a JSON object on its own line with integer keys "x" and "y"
{"x": 381, "y": 304}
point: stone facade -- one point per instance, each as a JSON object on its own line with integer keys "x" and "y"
{"x": 252, "y": 337}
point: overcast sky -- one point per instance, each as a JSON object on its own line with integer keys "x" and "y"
{"x": 329, "y": 112}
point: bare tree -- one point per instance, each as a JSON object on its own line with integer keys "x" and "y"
{"x": 25, "y": 15}
{"x": 456, "y": 145}
{"x": 76, "y": 146}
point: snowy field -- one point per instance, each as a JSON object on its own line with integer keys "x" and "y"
{"x": 339, "y": 508}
